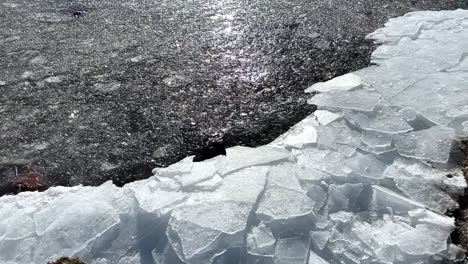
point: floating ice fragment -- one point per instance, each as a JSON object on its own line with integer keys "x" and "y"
{"x": 341, "y": 83}
{"x": 362, "y": 100}
{"x": 433, "y": 144}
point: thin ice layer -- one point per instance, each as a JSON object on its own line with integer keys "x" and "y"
{"x": 363, "y": 100}
{"x": 433, "y": 144}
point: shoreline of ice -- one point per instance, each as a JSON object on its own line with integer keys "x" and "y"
{"x": 365, "y": 179}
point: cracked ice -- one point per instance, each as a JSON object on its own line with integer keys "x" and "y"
{"x": 362, "y": 180}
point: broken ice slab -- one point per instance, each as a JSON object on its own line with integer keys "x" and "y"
{"x": 383, "y": 199}
{"x": 343, "y": 197}
{"x": 320, "y": 238}
{"x": 260, "y": 241}
{"x": 348, "y": 248}
{"x": 209, "y": 185}
{"x": 335, "y": 133}
{"x": 325, "y": 117}
{"x": 383, "y": 119}
{"x": 427, "y": 185}
{"x": 316, "y": 259}
{"x": 376, "y": 143}
{"x": 376, "y": 139}
{"x": 342, "y": 217}
{"x": 301, "y": 134}
{"x": 460, "y": 125}
{"x": 69, "y": 222}
{"x": 365, "y": 166}
{"x": 242, "y": 157}
{"x": 362, "y": 100}
{"x": 219, "y": 217}
{"x": 168, "y": 195}
{"x": 440, "y": 97}
{"x": 316, "y": 193}
{"x": 284, "y": 198}
{"x": 425, "y": 239}
{"x": 292, "y": 250}
{"x": 341, "y": 83}
{"x": 392, "y": 239}
{"x": 215, "y": 222}
{"x": 313, "y": 158}
{"x": 423, "y": 216}
{"x": 433, "y": 144}
{"x": 200, "y": 171}
{"x": 182, "y": 167}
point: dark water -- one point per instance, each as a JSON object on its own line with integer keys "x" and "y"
{"x": 97, "y": 90}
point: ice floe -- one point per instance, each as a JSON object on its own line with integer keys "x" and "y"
{"x": 367, "y": 178}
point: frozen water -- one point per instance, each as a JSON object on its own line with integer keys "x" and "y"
{"x": 362, "y": 100}
{"x": 342, "y": 83}
{"x": 300, "y": 135}
{"x": 433, "y": 144}
{"x": 260, "y": 241}
{"x": 316, "y": 259}
{"x": 325, "y": 117}
{"x": 242, "y": 157}
{"x": 382, "y": 119}
{"x": 292, "y": 250}
{"x": 367, "y": 178}
{"x": 320, "y": 238}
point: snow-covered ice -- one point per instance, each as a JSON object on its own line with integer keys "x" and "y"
{"x": 367, "y": 178}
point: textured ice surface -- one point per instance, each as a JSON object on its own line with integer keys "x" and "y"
{"x": 365, "y": 179}
{"x": 342, "y": 83}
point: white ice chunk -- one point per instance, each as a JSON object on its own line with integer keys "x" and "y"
{"x": 325, "y": 117}
{"x": 383, "y": 119}
{"x": 439, "y": 97}
{"x": 320, "y": 238}
{"x": 182, "y": 167}
{"x": 316, "y": 259}
{"x": 300, "y": 135}
{"x": 201, "y": 171}
{"x": 362, "y": 100}
{"x": 242, "y": 157}
{"x": 433, "y": 144}
{"x": 209, "y": 185}
{"x": 385, "y": 198}
{"x": 425, "y": 184}
{"x": 343, "y": 197}
{"x": 260, "y": 241}
{"x": 341, "y": 83}
{"x": 342, "y": 217}
{"x": 219, "y": 216}
{"x": 292, "y": 250}
{"x": 284, "y": 198}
